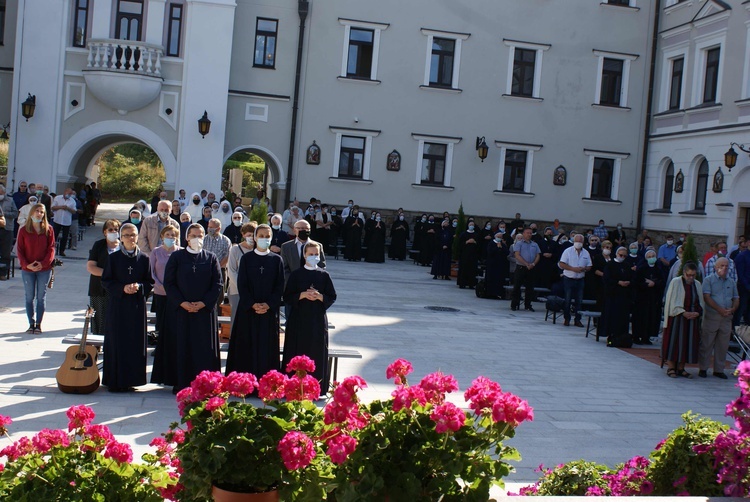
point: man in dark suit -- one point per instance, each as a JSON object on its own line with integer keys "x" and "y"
{"x": 292, "y": 251}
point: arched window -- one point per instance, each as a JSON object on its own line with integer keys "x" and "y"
{"x": 701, "y": 186}
{"x": 668, "y": 186}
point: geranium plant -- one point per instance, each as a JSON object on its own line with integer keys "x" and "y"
{"x": 417, "y": 446}
{"x": 85, "y": 462}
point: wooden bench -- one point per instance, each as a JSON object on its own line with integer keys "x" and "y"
{"x": 591, "y": 315}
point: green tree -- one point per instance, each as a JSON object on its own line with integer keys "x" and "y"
{"x": 122, "y": 178}
{"x": 460, "y": 228}
{"x": 259, "y": 213}
{"x": 690, "y": 253}
{"x": 139, "y": 154}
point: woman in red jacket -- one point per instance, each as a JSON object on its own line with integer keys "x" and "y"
{"x": 36, "y": 252}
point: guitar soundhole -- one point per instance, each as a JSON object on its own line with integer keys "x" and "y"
{"x": 87, "y": 362}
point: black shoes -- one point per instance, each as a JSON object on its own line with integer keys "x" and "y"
{"x": 37, "y": 329}
{"x": 702, "y": 373}
{"x": 530, "y": 309}
{"x": 30, "y": 331}
{"x": 723, "y": 376}
{"x": 513, "y": 308}
{"x": 579, "y": 324}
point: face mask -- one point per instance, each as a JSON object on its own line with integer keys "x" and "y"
{"x": 32, "y": 200}
{"x": 196, "y": 201}
{"x": 721, "y": 253}
{"x": 112, "y": 236}
{"x": 471, "y": 227}
{"x": 355, "y": 213}
{"x": 424, "y": 219}
{"x": 303, "y": 235}
{"x": 36, "y": 220}
{"x": 431, "y": 221}
{"x": 548, "y": 236}
{"x": 225, "y": 209}
{"x": 377, "y": 218}
{"x": 312, "y": 260}
{"x": 487, "y": 227}
{"x": 264, "y": 242}
{"x": 212, "y": 231}
{"x": 501, "y": 230}
{"x": 498, "y": 240}
{"x": 350, "y": 204}
{"x": 619, "y": 259}
{"x": 39, "y": 193}
{"x": 455, "y": 224}
{"x": 563, "y": 240}
{"x": 169, "y": 242}
{"x": 163, "y": 215}
{"x": 606, "y": 252}
{"x": 276, "y": 227}
{"x": 601, "y": 224}
{"x": 317, "y": 210}
{"x": 670, "y": 242}
{"x": 196, "y": 243}
{"x": 135, "y": 221}
{"x": 578, "y": 245}
{"x": 250, "y": 241}
{"x": 333, "y": 213}
{"x": 401, "y": 218}
{"x": 237, "y": 223}
{"x": 651, "y": 261}
{"x": 633, "y": 252}
{"x": 215, "y": 208}
{"x": 206, "y": 217}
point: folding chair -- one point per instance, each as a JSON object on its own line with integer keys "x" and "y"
{"x": 739, "y": 344}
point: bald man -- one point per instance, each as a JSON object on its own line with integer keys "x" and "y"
{"x": 151, "y": 227}
{"x": 722, "y": 300}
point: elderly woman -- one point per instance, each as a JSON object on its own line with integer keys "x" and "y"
{"x": 674, "y": 271}
{"x": 98, "y": 258}
{"x": 649, "y": 285}
{"x": 166, "y": 347}
{"x": 23, "y": 211}
{"x": 618, "y": 299}
{"x": 683, "y": 308}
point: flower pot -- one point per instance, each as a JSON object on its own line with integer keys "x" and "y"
{"x": 220, "y": 495}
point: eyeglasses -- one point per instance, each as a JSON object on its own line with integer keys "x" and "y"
{"x": 129, "y": 236}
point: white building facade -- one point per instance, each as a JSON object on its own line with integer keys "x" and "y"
{"x": 701, "y": 106}
{"x": 393, "y": 97}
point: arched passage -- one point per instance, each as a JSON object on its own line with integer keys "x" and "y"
{"x": 276, "y": 179}
{"x": 77, "y": 156}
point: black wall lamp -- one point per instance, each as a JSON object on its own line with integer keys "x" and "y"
{"x": 28, "y": 107}
{"x": 482, "y": 148}
{"x": 730, "y": 158}
{"x": 204, "y": 124}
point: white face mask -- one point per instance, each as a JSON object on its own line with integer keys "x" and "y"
{"x": 196, "y": 243}
{"x": 606, "y": 252}
{"x": 237, "y": 223}
{"x": 112, "y": 236}
{"x": 276, "y": 227}
{"x": 264, "y": 242}
{"x": 250, "y": 241}
{"x": 163, "y": 215}
{"x": 670, "y": 242}
{"x": 578, "y": 245}
{"x": 312, "y": 260}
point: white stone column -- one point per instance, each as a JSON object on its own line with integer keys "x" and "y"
{"x": 208, "y": 35}
{"x": 101, "y": 19}
{"x": 155, "y": 21}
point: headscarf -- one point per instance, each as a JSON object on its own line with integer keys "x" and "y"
{"x": 224, "y": 218}
{"x": 146, "y": 211}
{"x": 195, "y": 210}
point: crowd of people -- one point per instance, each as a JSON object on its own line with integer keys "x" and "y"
{"x": 193, "y": 253}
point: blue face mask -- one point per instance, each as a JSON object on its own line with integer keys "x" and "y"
{"x": 651, "y": 261}
{"x": 169, "y": 242}
{"x": 135, "y": 221}
{"x": 312, "y": 260}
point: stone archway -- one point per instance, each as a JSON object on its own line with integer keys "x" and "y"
{"x": 276, "y": 183}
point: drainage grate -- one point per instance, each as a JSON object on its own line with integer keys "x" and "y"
{"x": 441, "y": 309}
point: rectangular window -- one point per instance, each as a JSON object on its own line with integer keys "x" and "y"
{"x": 80, "y": 22}
{"x": 175, "y": 28}
{"x": 675, "y": 87}
{"x": 524, "y": 62}
{"x": 2, "y": 22}
{"x": 361, "y": 45}
{"x": 514, "y": 175}
{"x": 265, "y": 43}
{"x": 441, "y": 62}
{"x": 601, "y": 180}
{"x": 626, "y": 3}
{"x": 351, "y": 157}
{"x": 611, "y": 87}
{"x": 712, "y": 75}
{"x": 129, "y": 20}
{"x": 433, "y": 163}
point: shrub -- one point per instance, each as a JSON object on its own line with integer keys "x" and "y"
{"x": 690, "y": 253}
{"x": 677, "y": 469}
{"x": 573, "y": 478}
{"x": 259, "y": 213}
{"x": 460, "y": 228}
{"x": 123, "y": 177}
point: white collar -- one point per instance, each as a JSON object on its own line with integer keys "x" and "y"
{"x": 296, "y": 239}
{"x": 262, "y": 253}
{"x": 310, "y": 268}
{"x": 193, "y": 251}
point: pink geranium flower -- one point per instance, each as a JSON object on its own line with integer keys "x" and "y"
{"x": 4, "y": 423}
{"x": 119, "y": 452}
{"x": 302, "y": 388}
{"x": 511, "y": 409}
{"x": 448, "y": 417}
{"x": 482, "y": 394}
{"x": 214, "y": 403}
{"x": 207, "y": 384}
{"x": 340, "y": 447}
{"x": 398, "y": 369}
{"x": 47, "y": 439}
{"x": 271, "y": 385}
{"x": 79, "y": 416}
{"x": 297, "y": 450}
{"x": 300, "y": 364}
{"x": 240, "y": 384}
{"x": 437, "y": 385}
{"x": 404, "y": 397}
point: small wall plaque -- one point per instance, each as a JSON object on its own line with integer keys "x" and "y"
{"x": 313, "y": 154}
{"x": 394, "y": 161}
{"x": 679, "y": 182}
{"x": 560, "y": 177}
{"x": 718, "y": 181}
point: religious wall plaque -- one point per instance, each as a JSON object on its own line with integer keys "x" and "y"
{"x": 560, "y": 177}
{"x": 394, "y": 161}
{"x": 313, "y": 154}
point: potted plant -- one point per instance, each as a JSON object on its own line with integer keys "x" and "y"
{"x": 419, "y": 447}
{"x": 85, "y": 462}
{"x": 226, "y": 444}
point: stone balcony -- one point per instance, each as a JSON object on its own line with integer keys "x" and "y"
{"x": 123, "y": 74}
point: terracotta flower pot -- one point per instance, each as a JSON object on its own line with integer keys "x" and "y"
{"x": 220, "y": 495}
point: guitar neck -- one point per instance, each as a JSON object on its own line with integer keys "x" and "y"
{"x": 82, "y": 348}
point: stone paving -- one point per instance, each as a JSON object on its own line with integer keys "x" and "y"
{"x": 590, "y": 401}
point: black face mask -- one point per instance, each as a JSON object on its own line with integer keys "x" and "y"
{"x": 303, "y": 235}
{"x": 196, "y": 201}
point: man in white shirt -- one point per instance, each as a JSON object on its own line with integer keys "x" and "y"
{"x": 63, "y": 209}
{"x": 574, "y": 262}
{"x": 183, "y": 201}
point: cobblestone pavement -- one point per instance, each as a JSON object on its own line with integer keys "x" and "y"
{"x": 590, "y": 401}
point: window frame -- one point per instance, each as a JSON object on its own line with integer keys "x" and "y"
{"x": 367, "y": 135}
{"x": 616, "y": 158}
{"x": 180, "y": 20}
{"x": 352, "y": 156}
{"x": 266, "y": 35}
{"x": 626, "y": 59}
{"x": 377, "y": 28}
{"x": 668, "y": 56}
{"x": 360, "y": 72}
{"x": 449, "y": 142}
{"x": 124, "y": 15}
{"x": 671, "y": 106}
{"x": 528, "y": 168}
{"x": 539, "y": 48}
{"x": 702, "y": 46}
{"x": 458, "y": 39}
{"x": 715, "y": 65}
{"x": 698, "y": 179}
{"x": 76, "y": 10}
{"x": 621, "y": 3}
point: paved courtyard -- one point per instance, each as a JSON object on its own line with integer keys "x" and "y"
{"x": 590, "y": 401}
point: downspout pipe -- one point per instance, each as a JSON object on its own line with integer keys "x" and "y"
{"x": 303, "y": 7}
{"x": 649, "y": 106}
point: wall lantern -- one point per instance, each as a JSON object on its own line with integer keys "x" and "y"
{"x": 482, "y": 148}
{"x": 28, "y": 107}
{"x": 730, "y": 158}
{"x": 204, "y": 124}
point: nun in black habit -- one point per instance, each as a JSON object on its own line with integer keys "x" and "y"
{"x": 254, "y": 345}
{"x": 127, "y": 279}
{"x": 310, "y": 292}
{"x": 193, "y": 283}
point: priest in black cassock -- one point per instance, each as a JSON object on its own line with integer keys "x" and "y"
{"x": 399, "y": 236}
{"x": 254, "y": 345}
{"x": 193, "y": 283}
{"x": 376, "y": 241}
{"x": 127, "y": 279}
{"x": 310, "y": 291}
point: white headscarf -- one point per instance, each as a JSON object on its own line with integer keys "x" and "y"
{"x": 195, "y": 210}
{"x": 146, "y": 211}
{"x": 224, "y": 218}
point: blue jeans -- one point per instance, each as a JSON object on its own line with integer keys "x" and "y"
{"x": 35, "y": 285}
{"x": 573, "y": 290}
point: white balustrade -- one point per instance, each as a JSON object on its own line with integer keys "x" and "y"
{"x": 124, "y": 56}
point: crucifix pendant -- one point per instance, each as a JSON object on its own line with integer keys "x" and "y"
{"x": 261, "y": 269}
{"x": 130, "y": 270}
{"x": 193, "y": 267}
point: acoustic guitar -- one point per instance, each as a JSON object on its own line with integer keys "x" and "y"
{"x": 79, "y": 373}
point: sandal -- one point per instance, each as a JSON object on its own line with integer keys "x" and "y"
{"x": 681, "y": 372}
{"x": 672, "y": 373}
